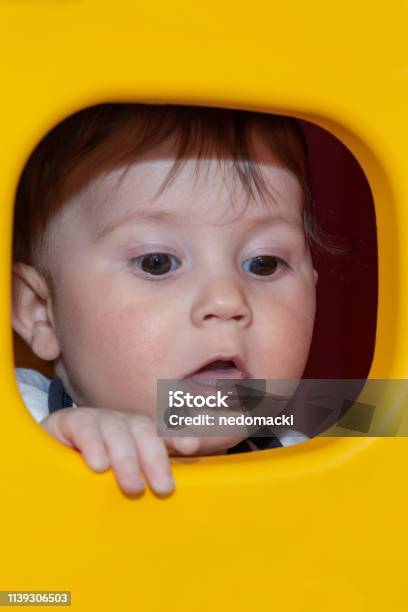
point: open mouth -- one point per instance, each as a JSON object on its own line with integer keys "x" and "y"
{"x": 223, "y": 375}
{"x": 218, "y": 369}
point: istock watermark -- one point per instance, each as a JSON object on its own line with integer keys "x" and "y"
{"x": 267, "y": 408}
{"x": 179, "y": 399}
{"x": 227, "y": 408}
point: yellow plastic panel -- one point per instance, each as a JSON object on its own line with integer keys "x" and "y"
{"x": 319, "y": 527}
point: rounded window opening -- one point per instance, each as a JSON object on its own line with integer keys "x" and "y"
{"x": 192, "y": 244}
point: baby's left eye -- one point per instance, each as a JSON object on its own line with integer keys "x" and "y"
{"x": 263, "y": 265}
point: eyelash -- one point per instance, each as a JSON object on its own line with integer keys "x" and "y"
{"x": 138, "y": 261}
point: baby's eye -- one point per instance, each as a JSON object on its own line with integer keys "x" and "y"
{"x": 157, "y": 264}
{"x": 263, "y": 265}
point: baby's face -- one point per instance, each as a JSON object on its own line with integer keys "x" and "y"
{"x": 125, "y": 319}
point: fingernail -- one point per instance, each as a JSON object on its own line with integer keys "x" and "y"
{"x": 99, "y": 463}
{"x": 136, "y": 485}
{"x": 164, "y": 486}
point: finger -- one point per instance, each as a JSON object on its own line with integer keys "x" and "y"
{"x": 123, "y": 455}
{"x": 154, "y": 459}
{"x": 95, "y": 453}
{"x": 55, "y": 425}
{"x": 83, "y": 431}
{"x": 183, "y": 446}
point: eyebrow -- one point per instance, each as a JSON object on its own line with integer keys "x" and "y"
{"x": 136, "y": 215}
{"x": 173, "y": 217}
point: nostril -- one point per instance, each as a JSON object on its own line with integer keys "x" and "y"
{"x": 213, "y": 316}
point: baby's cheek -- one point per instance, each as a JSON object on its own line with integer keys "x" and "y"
{"x": 285, "y": 340}
{"x": 126, "y": 351}
{"x": 145, "y": 330}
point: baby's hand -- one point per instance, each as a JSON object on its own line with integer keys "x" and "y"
{"x": 126, "y": 442}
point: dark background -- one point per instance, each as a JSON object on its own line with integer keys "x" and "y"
{"x": 344, "y": 336}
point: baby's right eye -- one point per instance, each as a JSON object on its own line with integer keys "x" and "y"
{"x": 156, "y": 264}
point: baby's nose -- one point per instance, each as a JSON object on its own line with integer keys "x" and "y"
{"x": 221, "y": 301}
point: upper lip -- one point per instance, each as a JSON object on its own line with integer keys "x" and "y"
{"x": 237, "y": 359}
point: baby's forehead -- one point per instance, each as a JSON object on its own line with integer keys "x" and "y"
{"x": 206, "y": 188}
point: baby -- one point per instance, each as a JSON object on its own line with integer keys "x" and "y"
{"x": 160, "y": 242}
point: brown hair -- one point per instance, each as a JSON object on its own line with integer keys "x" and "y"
{"x": 53, "y": 169}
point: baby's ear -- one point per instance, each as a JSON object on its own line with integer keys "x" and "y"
{"x": 32, "y": 311}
